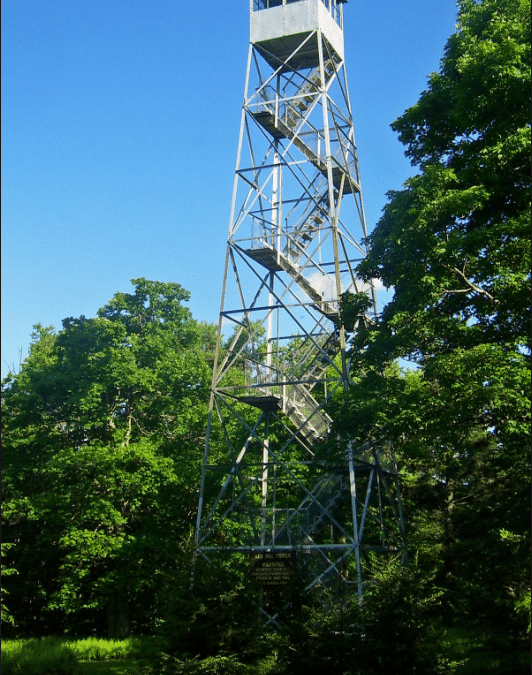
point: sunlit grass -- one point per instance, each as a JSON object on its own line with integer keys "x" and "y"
{"x": 97, "y": 649}
{"x": 47, "y": 656}
{"x": 67, "y": 656}
{"x": 468, "y": 651}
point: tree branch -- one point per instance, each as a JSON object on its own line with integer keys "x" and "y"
{"x": 471, "y": 285}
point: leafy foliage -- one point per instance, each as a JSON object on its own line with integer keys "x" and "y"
{"x": 103, "y": 428}
{"x": 454, "y": 243}
{"x": 454, "y": 246}
{"x": 7, "y": 616}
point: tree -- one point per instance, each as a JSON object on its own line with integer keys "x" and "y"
{"x": 454, "y": 243}
{"x": 103, "y": 434}
{"x": 454, "y": 246}
{"x": 6, "y": 617}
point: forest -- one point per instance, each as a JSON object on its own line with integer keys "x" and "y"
{"x": 104, "y": 425}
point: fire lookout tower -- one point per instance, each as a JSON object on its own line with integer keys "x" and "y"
{"x": 295, "y": 237}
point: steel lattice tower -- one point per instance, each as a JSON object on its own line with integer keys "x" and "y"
{"x": 295, "y": 236}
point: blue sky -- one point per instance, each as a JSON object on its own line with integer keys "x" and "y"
{"x": 120, "y": 123}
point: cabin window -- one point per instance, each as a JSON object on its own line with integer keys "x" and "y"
{"x": 266, "y": 4}
{"x": 332, "y": 5}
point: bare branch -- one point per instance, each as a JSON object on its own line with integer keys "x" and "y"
{"x": 470, "y": 284}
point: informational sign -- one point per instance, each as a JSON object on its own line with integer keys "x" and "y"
{"x": 272, "y": 569}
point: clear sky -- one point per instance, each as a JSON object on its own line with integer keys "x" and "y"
{"x": 120, "y": 123}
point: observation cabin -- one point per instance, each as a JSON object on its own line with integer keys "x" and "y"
{"x": 279, "y": 27}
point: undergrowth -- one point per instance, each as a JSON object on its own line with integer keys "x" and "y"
{"x": 97, "y": 649}
{"x": 64, "y": 656}
{"x": 45, "y": 656}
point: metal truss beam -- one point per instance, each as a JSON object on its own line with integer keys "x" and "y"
{"x": 296, "y": 233}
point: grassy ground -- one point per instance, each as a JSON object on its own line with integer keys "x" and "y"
{"x": 476, "y": 655}
{"x": 123, "y": 667}
{"x": 480, "y": 655}
{"x": 66, "y": 656}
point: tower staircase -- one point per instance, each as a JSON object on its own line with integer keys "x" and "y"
{"x": 296, "y": 235}
{"x": 301, "y": 236}
{"x": 311, "y": 421}
{"x": 308, "y": 522}
{"x": 275, "y": 261}
{"x": 289, "y": 119}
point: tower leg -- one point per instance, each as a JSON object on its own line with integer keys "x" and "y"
{"x": 271, "y": 484}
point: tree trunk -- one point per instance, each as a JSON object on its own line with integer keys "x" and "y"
{"x": 118, "y": 615}
{"x": 448, "y": 560}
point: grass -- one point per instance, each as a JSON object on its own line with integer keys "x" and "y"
{"x": 110, "y": 668}
{"x": 112, "y": 657}
{"x": 96, "y": 649}
{"x": 47, "y": 656}
{"x": 67, "y": 656}
{"x": 480, "y": 655}
{"x": 475, "y": 653}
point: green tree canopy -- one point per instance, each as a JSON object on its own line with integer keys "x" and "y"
{"x": 103, "y": 429}
{"x": 454, "y": 243}
{"x": 454, "y": 247}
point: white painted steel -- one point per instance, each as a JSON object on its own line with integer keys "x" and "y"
{"x": 276, "y": 24}
{"x": 296, "y": 233}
